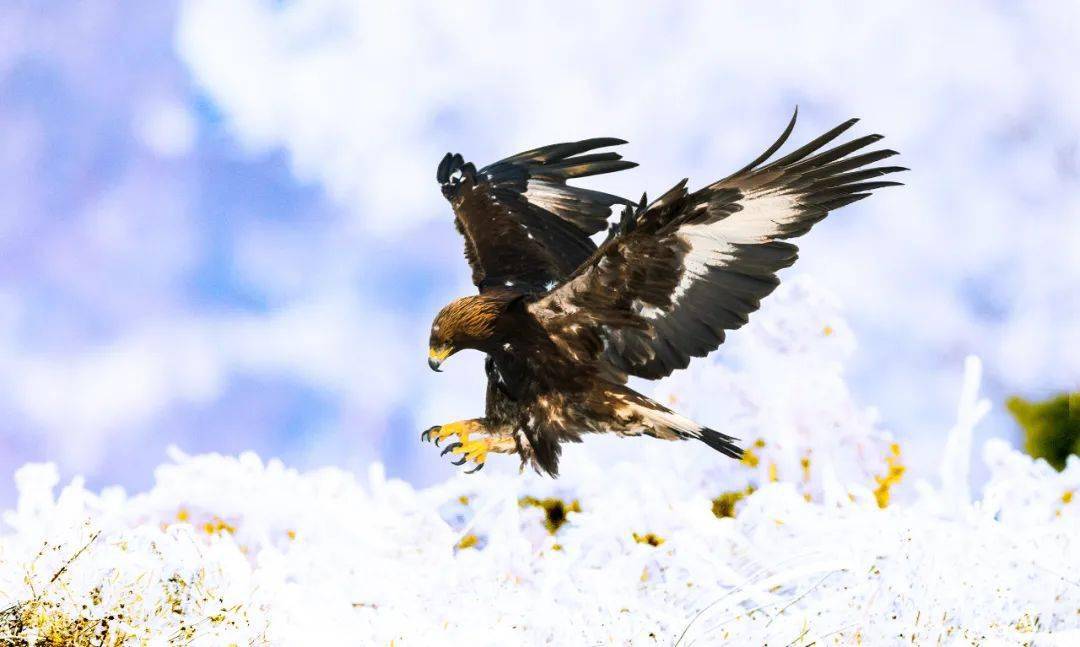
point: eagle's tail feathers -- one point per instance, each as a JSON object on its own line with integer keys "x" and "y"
{"x": 720, "y": 442}
{"x": 665, "y": 423}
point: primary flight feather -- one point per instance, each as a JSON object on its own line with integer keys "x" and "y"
{"x": 564, "y": 323}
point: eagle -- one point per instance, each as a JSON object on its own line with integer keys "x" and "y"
{"x": 565, "y": 322}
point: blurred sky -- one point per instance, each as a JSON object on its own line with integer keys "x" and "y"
{"x": 220, "y": 229}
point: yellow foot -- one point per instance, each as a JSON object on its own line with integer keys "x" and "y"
{"x": 470, "y": 450}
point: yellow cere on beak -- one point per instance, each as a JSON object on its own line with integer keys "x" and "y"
{"x": 436, "y": 357}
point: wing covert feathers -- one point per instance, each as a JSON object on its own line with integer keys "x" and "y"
{"x": 677, "y": 273}
{"x": 524, "y": 226}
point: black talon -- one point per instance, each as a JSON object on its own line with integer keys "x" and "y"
{"x": 460, "y": 462}
{"x": 449, "y": 448}
{"x": 425, "y": 435}
{"x": 479, "y": 466}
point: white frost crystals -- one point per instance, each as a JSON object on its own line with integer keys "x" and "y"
{"x": 674, "y": 545}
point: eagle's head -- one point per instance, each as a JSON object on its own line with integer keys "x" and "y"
{"x": 469, "y": 322}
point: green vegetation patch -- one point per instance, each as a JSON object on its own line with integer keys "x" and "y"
{"x": 1051, "y": 427}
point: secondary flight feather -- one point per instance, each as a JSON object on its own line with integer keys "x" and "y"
{"x": 563, "y": 323}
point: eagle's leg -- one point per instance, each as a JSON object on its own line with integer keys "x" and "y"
{"x": 475, "y": 439}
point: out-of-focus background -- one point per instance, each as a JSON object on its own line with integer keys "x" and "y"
{"x": 220, "y": 228}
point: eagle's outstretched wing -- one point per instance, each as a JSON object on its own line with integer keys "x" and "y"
{"x": 524, "y": 227}
{"x": 682, "y": 270}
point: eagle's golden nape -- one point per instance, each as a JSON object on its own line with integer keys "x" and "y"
{"x": 564, "y": 323}
{"x": 468, "y": 322}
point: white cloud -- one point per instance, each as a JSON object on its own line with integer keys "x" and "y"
{"x": 970, "y": 256}
{"x": 165, "y": 127}
{"x": 104, "y": 392}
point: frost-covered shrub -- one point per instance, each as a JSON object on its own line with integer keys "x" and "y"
{"x": 816, "y": 538}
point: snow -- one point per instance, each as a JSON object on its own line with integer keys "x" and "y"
{"x": 633, "y": 545}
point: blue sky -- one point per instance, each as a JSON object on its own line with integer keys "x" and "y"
{"x": 220, "y": 227}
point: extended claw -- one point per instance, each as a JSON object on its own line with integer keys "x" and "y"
{"x": 438, "y": 433}
{"x": 469, "y": 450}
{"x": 475, "y": 451}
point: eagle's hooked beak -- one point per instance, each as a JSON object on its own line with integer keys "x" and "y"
{"x": 436, "y": 357}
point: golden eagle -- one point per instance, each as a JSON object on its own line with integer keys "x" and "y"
{"x": 564, "y": 323}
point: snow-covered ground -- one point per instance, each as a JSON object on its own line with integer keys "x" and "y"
{"x": 815, "y": 538}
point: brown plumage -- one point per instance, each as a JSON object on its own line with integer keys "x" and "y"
{"x": 564, "y": 323}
